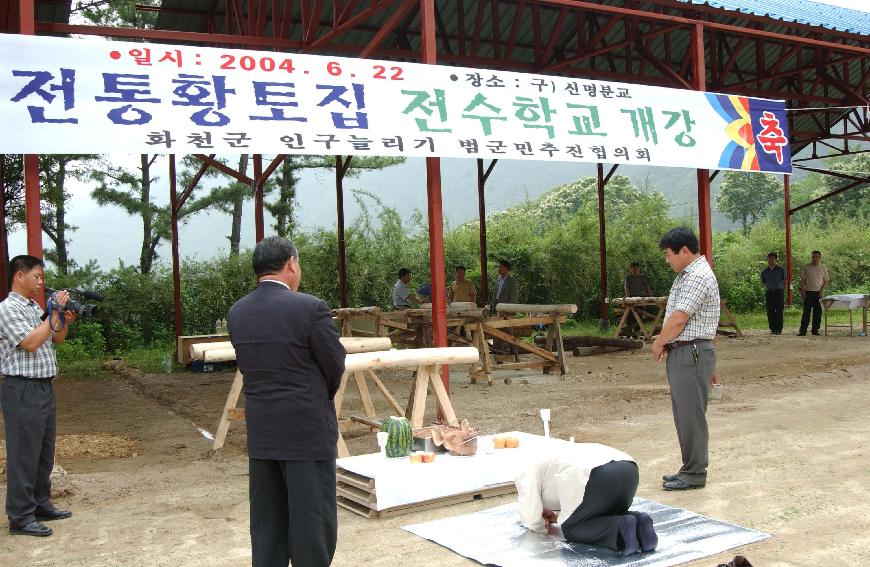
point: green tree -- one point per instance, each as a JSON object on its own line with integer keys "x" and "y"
{"x": 744, "y": 197}
{"x": 55, "y": 170}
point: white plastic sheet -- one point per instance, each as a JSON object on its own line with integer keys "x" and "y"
{"x": 496, "y": 537}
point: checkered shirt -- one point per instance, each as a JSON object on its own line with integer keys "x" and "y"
{"x": 18, "y": 317}
{"x": 696, "y": 293}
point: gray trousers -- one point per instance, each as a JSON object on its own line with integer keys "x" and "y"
{"x": 29, "y": 414}
{"x": 689, "y": 380}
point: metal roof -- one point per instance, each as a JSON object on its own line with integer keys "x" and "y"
{"x": 799, "y": 11}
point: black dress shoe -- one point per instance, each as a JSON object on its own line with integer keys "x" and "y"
{"x": 53, "y": 514}
{"x": 816, "y": 333}
{"x": 669, "y": 477}
{"x": 32, "y": 529}
{"x": 802, "y": 334}
{"x": 680, "y": 484}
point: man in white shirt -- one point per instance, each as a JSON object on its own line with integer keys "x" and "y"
{"x": 403, "y": 297}
{"x": 587, "y": 488}
{"x": 814, "y": 280}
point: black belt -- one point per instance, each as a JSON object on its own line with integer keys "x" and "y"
{"x": 677, "y": 344}
{"x": 28, "y": 378}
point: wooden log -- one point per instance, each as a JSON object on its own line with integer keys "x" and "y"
{"x": 356, "y": 311}
{"x": 589, "y": 351}
{"x": 463, "y": 305}
{"x": 410, "y": 358}
{"x": 219, "y": 354}
{"x": 574, "y": 341}
{"x": 499, "y": 323}
{"x": 365, "y": 344}
{"x": 456, "y": 312}
{"x": 198, "y": 349}
{"x": 561, "y": 308}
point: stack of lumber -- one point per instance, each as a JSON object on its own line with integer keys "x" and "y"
{"x": 356, "y": 493}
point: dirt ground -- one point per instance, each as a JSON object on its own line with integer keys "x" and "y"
{"x": 789, "y": 456}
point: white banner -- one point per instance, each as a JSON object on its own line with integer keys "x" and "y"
{"x": 90, "y": 96}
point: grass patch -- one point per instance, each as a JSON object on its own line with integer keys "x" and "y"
{"x": 150, "y": 359}
{"x": 85, "y": 369}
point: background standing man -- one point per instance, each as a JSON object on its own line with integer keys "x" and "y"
{"x": 814, "y": 280}
{"x": 773, "y": 279}
{"x": 287, "y": 347}
{"x": 461, "y": 290}
{"x": 403, "y": 296}
{"x": 506, "y": 289}
{"x": 636, "y": 284}
{"x": 29, "y": 365}
{"x": 686, "y": 339}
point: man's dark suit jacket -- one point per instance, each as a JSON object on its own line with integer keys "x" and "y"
{"x": 288, "y": 350}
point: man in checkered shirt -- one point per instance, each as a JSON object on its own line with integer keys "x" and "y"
{"x": 29, "y": 365}
{"x": 686, "y": 340}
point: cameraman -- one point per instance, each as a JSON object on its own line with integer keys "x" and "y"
{"x": 29, "y": 365}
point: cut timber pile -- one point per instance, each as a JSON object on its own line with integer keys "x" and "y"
{"x": 575, "y": 341}
{"x": 357, "y": 494}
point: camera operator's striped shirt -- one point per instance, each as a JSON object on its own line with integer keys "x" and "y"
{"x": 18, "y": 317}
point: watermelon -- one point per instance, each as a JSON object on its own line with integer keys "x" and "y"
{"x": 399, "y": 436}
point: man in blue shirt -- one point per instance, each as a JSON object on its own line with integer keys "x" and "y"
{"x": 773, "y": 279}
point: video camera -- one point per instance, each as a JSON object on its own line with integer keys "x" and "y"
{"x": 82, "y": 309}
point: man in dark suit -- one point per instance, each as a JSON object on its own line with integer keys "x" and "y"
{"x": 288, "y": 350}
{"x": 506, "y": 288}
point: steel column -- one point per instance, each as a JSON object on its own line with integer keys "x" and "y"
{"x": 786, "y": 187}
{"x": 4, "y": 243}
{"x": 257, "y": 186}
{"x": 699, "y": 79}
{"x": 27, "y": 26}
{"x": 433, "y": 193}
{"x": 481, "y": 214}
{"x": 602, "y": 250}
{"x": 176, "y": 264}
{"x": 340, "y": 169}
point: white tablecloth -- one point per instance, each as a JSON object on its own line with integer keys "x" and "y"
{"x": 847, "y": 301}
{"x": 399, "y": 483}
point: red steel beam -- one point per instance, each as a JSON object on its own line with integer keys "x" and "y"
{"x": 33, "y": 217}
{"x": 482, "y": 177}
{"x": 435, "y": 214}
{"x": 678, "y": 81}
{"x": 401, "y": 11}
{"x": 4, "y": 242}
{"x": 257, "y": 186}
{"x": 341, "y": 166}
{"x": 737, "y": 30}
{"x": 602, "y": 248}
{"x": 786, "y": 181}
{"x": 348, "y": 25}
{"x": 515, "y": 28}
{"x": 272, "y": 167}
{"x": 699, "y": 80}
{"x": 554, "y": 36}
{"x": 166, "y": 35}
{"x": 176, "y": 263}
{"x": 604, "y": 49}
{"x": 240, "y": 177}
{"x": 192, "y": 185}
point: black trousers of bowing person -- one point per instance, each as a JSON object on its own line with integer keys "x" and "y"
{"x": 609, "y": 494}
